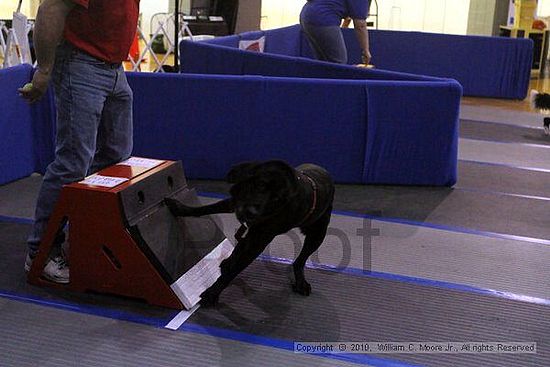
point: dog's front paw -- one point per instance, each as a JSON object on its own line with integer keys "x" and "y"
{"x": 209, "y": 298}
{"x": 302, "y": 287}
{"x": 177, "y": 208}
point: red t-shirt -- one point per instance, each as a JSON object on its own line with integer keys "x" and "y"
{"x": 103, "y": 28}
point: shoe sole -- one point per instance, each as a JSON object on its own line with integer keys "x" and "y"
{"x": 55, "y": 280}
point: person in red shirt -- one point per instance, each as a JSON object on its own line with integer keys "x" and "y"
{"x": 80, "y": 46}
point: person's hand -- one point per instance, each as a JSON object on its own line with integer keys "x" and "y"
{"x": 38, "y": 87}
{"x": 365, "y": 57}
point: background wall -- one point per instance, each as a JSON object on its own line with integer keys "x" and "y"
{"x": 150, "y": 7}
{"x": 440, "y": 16}
{"x": 7, "y": 7}
{"x": 486, "y": 16}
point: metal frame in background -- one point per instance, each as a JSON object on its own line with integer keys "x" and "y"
{"x": 181, "y": 29}
{"x": 375, "y": 15}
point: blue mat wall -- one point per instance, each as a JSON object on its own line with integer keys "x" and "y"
{"x": 362, "y": 131}
{"x": 495, "y": 67}
{"x": 26, "y": 132}
{"x": 213, "y": 122}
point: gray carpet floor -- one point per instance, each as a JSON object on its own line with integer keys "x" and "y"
{"x": 466, "y": 263}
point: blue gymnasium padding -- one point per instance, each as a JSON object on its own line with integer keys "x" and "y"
{"x": 228, "y": 41}
{"x": 497, "y": 67}
{"x": 203, "y": 58}
{"x": 212, "y": 122}
{"x": 284, "y": 41}
{"x": 413, "y": 118}
{"x": 16, "y": 149}
{"x": 196, "y": 56}
{"x": 423, "y": 148}
{"x": 25, "y": 131}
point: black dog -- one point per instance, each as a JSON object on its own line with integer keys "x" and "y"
{"x": 269, "y": 198}
{"x": 541, "y": 102}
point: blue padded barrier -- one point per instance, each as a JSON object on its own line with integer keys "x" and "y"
{"x": 485, "y": 66}
{"x": 495, "y": 67}
{"x": 202, "y": 58}
{"x": 16, "y": 149}
{"x": 413, "y": 144}
{"x": 284, "y": 41}
{"x": 212, "y": 122}
{"x": 228, "y": 41}
{"x": 25, "y": 131}
{"x": 197, "y": 56}
{"x": 352, "y": 128}
{"x": 422, "y": 148}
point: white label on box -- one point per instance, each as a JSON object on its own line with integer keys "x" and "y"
{"x": 214, "y": 18}
{"x": 104, "y": 181}
{"x": 141, "y": 162}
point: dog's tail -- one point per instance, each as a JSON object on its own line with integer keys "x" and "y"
{"x": 539, "y": 101}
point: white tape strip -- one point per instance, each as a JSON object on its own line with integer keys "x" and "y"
{"x": 200, "y": 277}
{"x": 180, "y": 318}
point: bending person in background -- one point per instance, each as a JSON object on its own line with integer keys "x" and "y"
{"x": 320, "y": 21}
{"x": 80, "y": 46}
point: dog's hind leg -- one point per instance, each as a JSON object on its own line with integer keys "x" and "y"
{"x": 547, "y": 125}
{"x": 315, "y": 234}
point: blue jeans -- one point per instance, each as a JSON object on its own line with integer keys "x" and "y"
{"x": 327, "y": 42}
{"x": 94, "y": 127}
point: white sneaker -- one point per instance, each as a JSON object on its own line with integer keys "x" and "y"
{"x": 56, "y": 270}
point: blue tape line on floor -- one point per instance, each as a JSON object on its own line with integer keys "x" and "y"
{"x": 424, "y": 224}
{"x": 16, "y": 220}
{"x": 89, "y": 310}
{"x": 544, "y": 170}
{"x": 197, "y": 329}
{"x": 403, "y": 278}
{"x": 443, "y": 227}
{"x": 500, "y": 193}
{"x": 540, "y": 128}
{"x": 288, "y": 345}
{"x": 414, "y": 280}
{"x": 532, "y": 145}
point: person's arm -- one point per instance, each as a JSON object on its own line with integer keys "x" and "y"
{"x": 362, "y": 33}
{"x": 48, "y": 31}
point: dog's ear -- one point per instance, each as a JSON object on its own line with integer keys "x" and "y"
{"x": 241, "y": 172}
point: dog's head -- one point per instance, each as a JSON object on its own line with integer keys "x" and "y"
{"x": 540, "y": 101}
{"x": 261, "y": 189}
